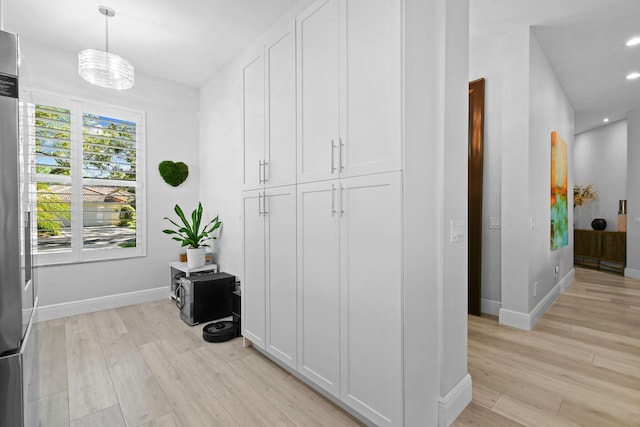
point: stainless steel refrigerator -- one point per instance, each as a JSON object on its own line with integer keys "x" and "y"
{"x": 18, "y": 296}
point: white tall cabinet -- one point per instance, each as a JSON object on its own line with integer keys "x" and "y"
{"x": 350, "y": 287}
{"x": 269, "y": 204}
{"x": 280, "y": 150}
{"x": 349, "y": 86}
{"x": 253, "y": 121}
{"x": 319, "y": 283}
{"x": 269, "y": 276}
{"x": 322, "y": 220}
{"x": 253, "y": 261}
{"x": 269, "y": 113}
{"x": 281, "y": 288}
{"x": 319, "y": 91}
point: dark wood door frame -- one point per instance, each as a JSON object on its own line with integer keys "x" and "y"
{"x": 476, "y": 150}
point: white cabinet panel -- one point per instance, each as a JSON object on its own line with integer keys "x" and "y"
{"x": 318, "y": 284}
{"x": 253, "y": 279}
{"x": 371, "y": 296}
{"x": 281, "y": 111}
{"x": 318, "y": 91}
{"x": 373, "y": 87}
{"x": 323, "y": 258}
{"x": 281, "y": 243}
{"x": 253, "y": 123}
{"x": 349, "y": 93}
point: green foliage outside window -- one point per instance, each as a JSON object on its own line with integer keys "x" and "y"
{"x": 53, "y": 211}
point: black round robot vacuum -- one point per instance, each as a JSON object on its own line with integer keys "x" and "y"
{"x": 220, "y": 331}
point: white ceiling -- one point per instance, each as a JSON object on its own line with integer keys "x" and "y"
{"x": 186, "y": 41}
{"x": 584, "y": 41}
{"x": 189, "y": 41}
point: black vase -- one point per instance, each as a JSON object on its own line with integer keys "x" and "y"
{"x": 599, "y": 224}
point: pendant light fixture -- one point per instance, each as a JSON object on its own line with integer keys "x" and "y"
{"x": 103, "y": 68}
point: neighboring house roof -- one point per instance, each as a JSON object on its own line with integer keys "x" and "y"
{"x": 93, "y": 194}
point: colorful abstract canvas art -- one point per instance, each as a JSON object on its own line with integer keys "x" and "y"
{"x": 559, "y": 191}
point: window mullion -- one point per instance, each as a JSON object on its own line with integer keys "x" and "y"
{"x": 77, "y": 211}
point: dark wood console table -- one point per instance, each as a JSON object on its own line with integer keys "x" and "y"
{"x": 602, "y": 250}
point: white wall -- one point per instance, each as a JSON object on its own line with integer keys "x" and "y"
{"x": 221, "y": 154}
{"x": 482, "y": 64}
{"x": 171, "y": 134}
{"x": 524, "y": 102}
{"x": 455, "y": 70}
{"x": 600, "y": 158}
{"x": 550, "y": 110}
{"x": 515, "y": 183}
{"x": 633, "y": 196}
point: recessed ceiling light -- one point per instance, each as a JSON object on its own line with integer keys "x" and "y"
{"x": 634, "y": 41}
{"x": 633, "y": 75}
{"x": 606, "y": 120}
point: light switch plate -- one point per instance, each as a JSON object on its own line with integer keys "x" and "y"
{"x": 458, "y": 229}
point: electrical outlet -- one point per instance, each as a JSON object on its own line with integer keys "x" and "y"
{"x": 532, "y": 223}
{"x": 535, "y": 289}
{"x": 494, "y": 222}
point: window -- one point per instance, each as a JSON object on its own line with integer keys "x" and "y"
{"x": 86, "y": 179}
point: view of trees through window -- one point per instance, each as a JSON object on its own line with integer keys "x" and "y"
{"x": 85, "y": 181}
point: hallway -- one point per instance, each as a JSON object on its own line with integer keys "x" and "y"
{"x": 580, "y": 366}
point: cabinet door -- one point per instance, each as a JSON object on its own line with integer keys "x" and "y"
{"x": 614, "y": 246}
{"x": 318, "y": 284}
{"x": 318, "y": 91}
{"x": 253, "y": 121}
{"x": 253, "y": 261}
{"x": 281, "y": 109}
{"x": 371, "y": 296}
{"x": 281, "y": 273}
{"x": 371, "y": 132}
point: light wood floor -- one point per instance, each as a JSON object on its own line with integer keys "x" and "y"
{"x": 143, "y": 366}
{"x": 580, "y": 366}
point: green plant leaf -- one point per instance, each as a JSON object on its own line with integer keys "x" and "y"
{"x": 191, "y": 233}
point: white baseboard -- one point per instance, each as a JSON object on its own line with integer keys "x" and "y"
{"x": 515, "y": 319}
{"x": 567, "y": 280}
{"x": 632, "y": 273}
{"x": 66, "y": 309}
{"x": 452, "y": 405}
{"x": 490, "y": 307}
{"x": 528, "y": 321}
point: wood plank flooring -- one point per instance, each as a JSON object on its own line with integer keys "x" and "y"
{"x": 143, "y": 366}
{"x": 580, "y": 366}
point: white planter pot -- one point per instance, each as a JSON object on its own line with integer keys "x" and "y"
{"x": 195, "y": 257}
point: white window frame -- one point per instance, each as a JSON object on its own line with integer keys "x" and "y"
{"x": 78, "y": 254}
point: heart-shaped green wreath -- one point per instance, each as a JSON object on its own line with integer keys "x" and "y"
{"x": 173, "y": 173}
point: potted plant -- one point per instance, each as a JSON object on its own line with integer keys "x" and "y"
{"x": 192, "y": 235}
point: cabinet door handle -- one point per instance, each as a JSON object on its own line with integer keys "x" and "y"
{"x": 333, "y": 148}
{"x": 341, "y": 201}
{"x": 260, "y": 171}
{"x": 259, "y": 203}
{"x": 340, "y": 155}
{"x": 264, "y": 171}
{"x": 264, "y": 204}
{"x": 333, "y": 200}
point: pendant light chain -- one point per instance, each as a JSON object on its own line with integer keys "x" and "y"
{"x": 106, "y": 23}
